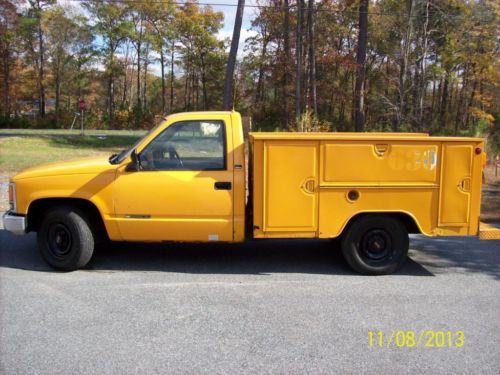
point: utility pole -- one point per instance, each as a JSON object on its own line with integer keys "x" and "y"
{"x": 231, "y": 61}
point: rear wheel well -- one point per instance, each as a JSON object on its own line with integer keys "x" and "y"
{"x": 38, "y": 209}
{"x": 407, "y": 220}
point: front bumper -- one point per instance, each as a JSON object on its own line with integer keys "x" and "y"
{"x": 13, "y": 223}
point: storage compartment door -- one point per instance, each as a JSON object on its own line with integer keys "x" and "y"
{"x": 455, "y": 185}
{"x": 290, "y": 186}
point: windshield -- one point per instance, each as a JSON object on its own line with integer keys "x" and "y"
{"x": 118, "y": 158}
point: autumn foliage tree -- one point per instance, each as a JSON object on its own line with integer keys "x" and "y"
{"x": 329, "y": 65}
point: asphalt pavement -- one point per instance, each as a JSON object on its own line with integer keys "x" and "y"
{"x": 261, "y": 307}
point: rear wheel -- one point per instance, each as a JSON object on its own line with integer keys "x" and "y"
{"x": 375, "y": 245}
{"x": 65, "y": 239}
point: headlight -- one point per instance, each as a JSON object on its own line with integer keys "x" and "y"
{"x": 12, "y": 197}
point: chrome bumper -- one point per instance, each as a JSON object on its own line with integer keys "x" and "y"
{"x": 13, "y": 223}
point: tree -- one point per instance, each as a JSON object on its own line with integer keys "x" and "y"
{"x": 298, "y": 55}
{"x": 61, "y": 33}
{"x": 161, "y": 16}
{"x": 8, "y": 25}
{"x": 312, "y": 57}
{"x": 231, "y": 61}
{"x": 83, "y": 54}
{"x": 359, "y": 88}
{"x": 33, "y": 35}
{"x": 200, "y": 53}
{"x": 430, "y": 65}
{"x": 110, "y": 23}
{"x": 286, "y": 62}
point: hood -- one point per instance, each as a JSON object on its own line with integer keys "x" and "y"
{"x": 91, "y": 165}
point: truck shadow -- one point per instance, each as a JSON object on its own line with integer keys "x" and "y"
{"x": 255, "y": 257}
{"x": 462, "y": 254}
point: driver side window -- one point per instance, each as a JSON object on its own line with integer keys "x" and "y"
{"x": 187, "y": 145}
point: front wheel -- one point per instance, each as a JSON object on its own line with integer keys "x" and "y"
{"x": 65, "y": 239}
{"x": 376, "y": 245}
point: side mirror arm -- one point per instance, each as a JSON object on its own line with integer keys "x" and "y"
{"x": 135, "y": 165}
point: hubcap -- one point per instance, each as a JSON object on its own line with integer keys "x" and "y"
{"x": 59, "y": 240}
{"x": 376, "y": 246}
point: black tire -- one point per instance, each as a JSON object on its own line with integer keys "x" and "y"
{"x": 65, "y": 239}
{"x": 375, "y": 244}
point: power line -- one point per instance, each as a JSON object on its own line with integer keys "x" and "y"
{"x": 278, "y": 8}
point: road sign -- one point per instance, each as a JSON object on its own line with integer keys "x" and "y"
{"x": 81, "y": 105}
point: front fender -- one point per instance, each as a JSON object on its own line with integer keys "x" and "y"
{"x": 96, "y": 188}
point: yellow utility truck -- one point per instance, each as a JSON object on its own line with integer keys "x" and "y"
{"x": 188, "y": 180}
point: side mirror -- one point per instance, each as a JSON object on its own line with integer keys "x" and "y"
{"x": 135, "y": 165}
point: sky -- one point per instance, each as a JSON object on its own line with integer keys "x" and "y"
{"x": 229, "y": 16}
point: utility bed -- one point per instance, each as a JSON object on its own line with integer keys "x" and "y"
{"x": 313, "y": 184}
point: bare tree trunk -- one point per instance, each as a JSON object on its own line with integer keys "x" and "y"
{"x": 41, "y": 50}
{"x": 138, "y": 78}
{"x": 286, "y": 76}
{"x": 6, "y": 84}
{"x": 204, "y": 81}
{"x": 58, "y": 90}
{"x": 359, "y": 118}
{"x": 405, "y": 52}
{"x": 231, "y": 61}
{"x": 145, "y": 83}
{"x": 461, "y": 98}
{"x": 312, "y": 58}
{"x": 196, "y": 89}
{"x": 172, "y": 62}
{"x": 423, "y": 69}
{"x": 163, "y": 89}
{"x": 125, "y": 79}
{"x": 471, "y": 100}
{"x": 111, "y": 84}
{"x": 111, "y": 94}
{"x": 444, "y": 102}
{"x": 138, "y": 48}
{"x": 298, "y": 53}
{"x": 260, "y": 79}
{"x": 186, "y": 87}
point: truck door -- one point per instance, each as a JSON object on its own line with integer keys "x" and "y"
{"x": 184, "y": 191}
{"x": 455, "y": 192}
{"x": 290, "y": 187}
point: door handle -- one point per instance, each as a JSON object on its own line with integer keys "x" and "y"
{"x": 381, "y": 149}
{"x": 464, "y": 185}
{"x": 309, "y": 186}
{"x": 222, "y": 185}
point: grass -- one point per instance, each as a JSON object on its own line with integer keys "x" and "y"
{"x": 66, "y": 132}
{"x": 17, "y": 153}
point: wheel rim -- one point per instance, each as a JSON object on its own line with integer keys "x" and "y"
{"x": 376, "y": 246}
{"x": 59, "y": 240}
